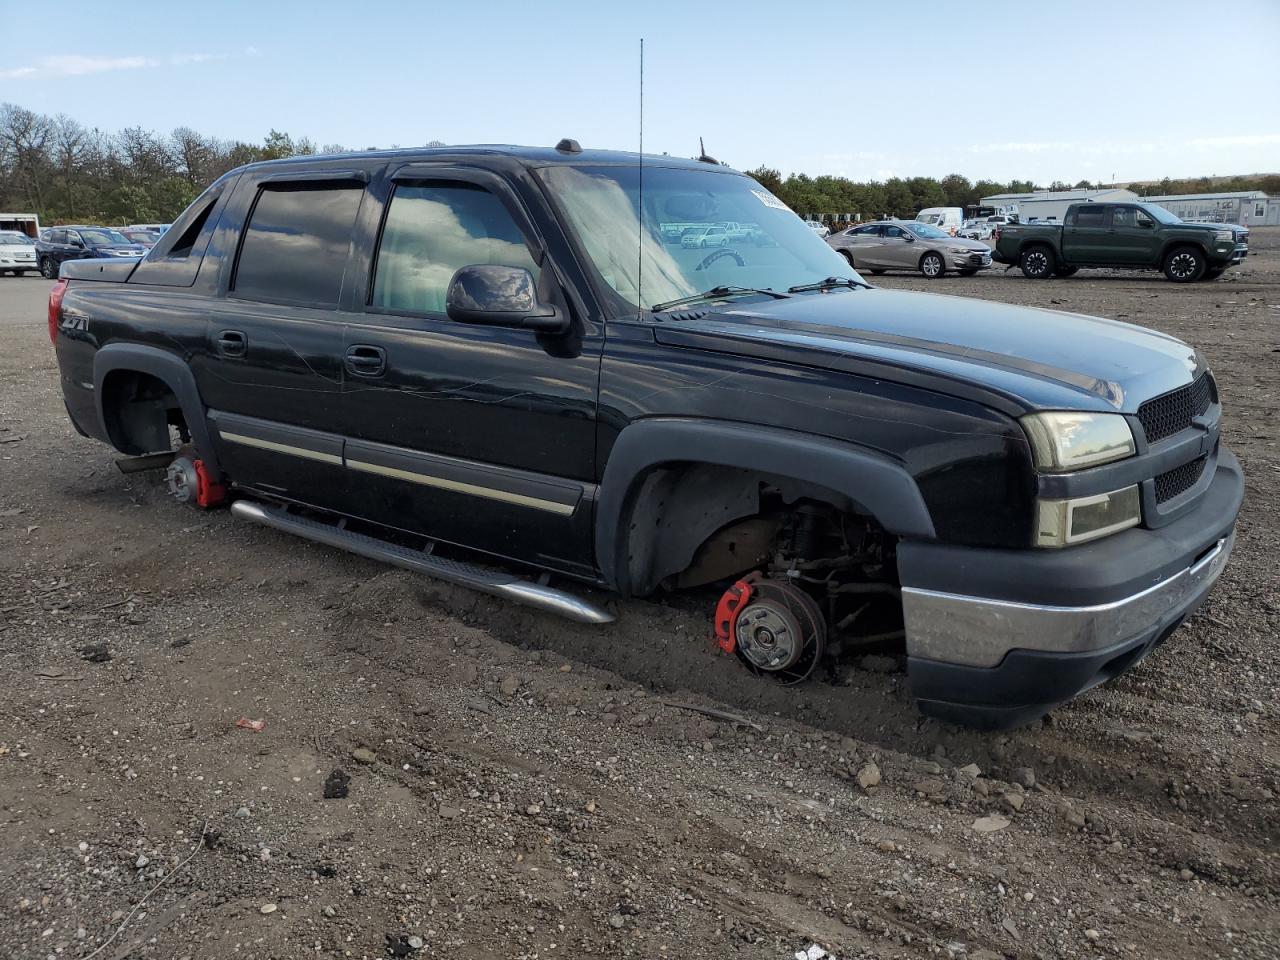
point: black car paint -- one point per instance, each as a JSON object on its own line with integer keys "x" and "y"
{"x": 535, "y": 445}
{"x": 932, "y": 383}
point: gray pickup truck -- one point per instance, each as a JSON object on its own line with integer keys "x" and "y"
{"x": 1135, "y": 236}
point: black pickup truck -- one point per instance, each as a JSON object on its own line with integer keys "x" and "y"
{"x": 436, "y": 356}
{"x": 1125, "y": 236}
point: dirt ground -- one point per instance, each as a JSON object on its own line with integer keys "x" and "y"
{"x": 521, "y": 787}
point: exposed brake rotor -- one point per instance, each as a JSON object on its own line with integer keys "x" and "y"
{"x": 774, "y": 627}
{"x": 181, "y": 479}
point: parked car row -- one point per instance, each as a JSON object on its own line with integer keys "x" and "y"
{"x": 720, "y": 234}
{"x": 909, "y": 245}
{"x": 60, "y": 244}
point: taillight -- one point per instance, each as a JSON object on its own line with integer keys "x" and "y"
{"x": 55, "y": 308}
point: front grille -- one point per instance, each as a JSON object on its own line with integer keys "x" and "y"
{"x": 977, "y": 259}
{"x": 1179, "y": 480}
{"x": 1169, "y": 413}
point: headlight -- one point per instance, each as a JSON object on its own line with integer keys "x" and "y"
{"x": 1063, "y": 522}
{"x": 1072, "y": 441}
{"x": 1224, "y": 236}
{"x": 958, "y": 250}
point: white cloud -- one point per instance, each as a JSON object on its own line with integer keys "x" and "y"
{"x": 1022, "y": 146}
{"x": 1248, "y": 140}
{"x": 78, "y": 65}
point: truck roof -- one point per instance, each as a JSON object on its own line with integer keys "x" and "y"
{"x": 534, "y": 156}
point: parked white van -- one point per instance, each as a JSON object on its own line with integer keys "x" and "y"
{"x": 949, "y": 219}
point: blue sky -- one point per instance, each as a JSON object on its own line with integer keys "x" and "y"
{"x": 1066, "y": 91}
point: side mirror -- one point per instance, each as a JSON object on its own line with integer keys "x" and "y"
{"x": 908, "y": 237}
{"x": 498, "y": 296}
{"x": 75, "y": 242}
{"x": 1146, "y": 224}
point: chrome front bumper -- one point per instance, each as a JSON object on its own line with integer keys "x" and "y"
{"x": 979, "y": 631}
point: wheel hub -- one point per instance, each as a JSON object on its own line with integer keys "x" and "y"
{"x": 775, "y": 627}
{"x": 181, "y": 479}
{"x": 769, "y": 635}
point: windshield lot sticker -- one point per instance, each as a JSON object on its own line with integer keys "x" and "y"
{"x": 769, "y": 200}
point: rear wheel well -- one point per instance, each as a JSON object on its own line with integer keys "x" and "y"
{"x": 141, "y": 413}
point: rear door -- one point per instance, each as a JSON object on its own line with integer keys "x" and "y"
{"x": 273, "y": 373}
{"x": 861, "y": 243}
{"x": 477, "y": 435}
{"x": 1133, "y": 236}
{"x": 1086, "y": 236}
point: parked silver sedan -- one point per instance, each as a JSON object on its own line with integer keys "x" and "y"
{"x": 908, "y": 245}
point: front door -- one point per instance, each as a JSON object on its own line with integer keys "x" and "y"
{"x": 1133, "y": 234}
{"x": 897, "y": 250}
{"x": 272, "y": 372}
{"x": 477, "y": 435}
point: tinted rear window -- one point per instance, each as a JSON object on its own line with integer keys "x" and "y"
{"x": 295, "y": 247}
{"x": 1090, "y": 216}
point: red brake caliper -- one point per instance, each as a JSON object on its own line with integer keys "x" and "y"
{"x": 733, "y": 600}
{"x": 208, "y": 492}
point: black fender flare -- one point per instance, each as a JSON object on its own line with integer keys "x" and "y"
{"x": 877, "y": 483}
{"x": 174, "y": 372}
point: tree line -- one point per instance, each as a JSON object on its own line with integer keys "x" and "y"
{"x": 826, "y": 196}
{"x": 66, "y": 172}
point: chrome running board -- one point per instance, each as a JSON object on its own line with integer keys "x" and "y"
{"x": 465, "y": 574}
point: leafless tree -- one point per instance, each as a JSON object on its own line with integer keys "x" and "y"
{"x": 26, "y": 137}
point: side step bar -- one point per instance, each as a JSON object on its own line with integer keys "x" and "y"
{"x": 466, "y": 574}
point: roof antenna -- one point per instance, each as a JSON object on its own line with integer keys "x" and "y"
{"x": 702, "y": 154}
{"x": 640, "y": 212}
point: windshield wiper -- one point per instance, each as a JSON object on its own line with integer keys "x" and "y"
{"x": 827, "y": 284}
{"x": 716, "y": 293}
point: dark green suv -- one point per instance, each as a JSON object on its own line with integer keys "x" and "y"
{"x": 1138, "y": 236}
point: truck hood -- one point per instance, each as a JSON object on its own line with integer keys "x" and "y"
{"x": 1035, "y": 359}
{"x": 1205, "y": 225}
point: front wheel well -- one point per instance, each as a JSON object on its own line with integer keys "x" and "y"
{"x": 142, "y": 413}
{"x": 692, "y": 523}
{"x": 1173, "y": 245}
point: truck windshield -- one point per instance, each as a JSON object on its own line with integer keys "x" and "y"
{"x": 1160, "y": 214}
{"x": 668, "y": 251}
{"x": 102, "y": 238}
{"x": 14, "y": 238}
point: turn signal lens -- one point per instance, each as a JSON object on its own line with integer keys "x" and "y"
{"x": 1064, "y": 522}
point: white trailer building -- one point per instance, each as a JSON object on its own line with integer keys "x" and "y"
{"x": 1045, "y": 204}
{"x": 1251, "y": 208}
